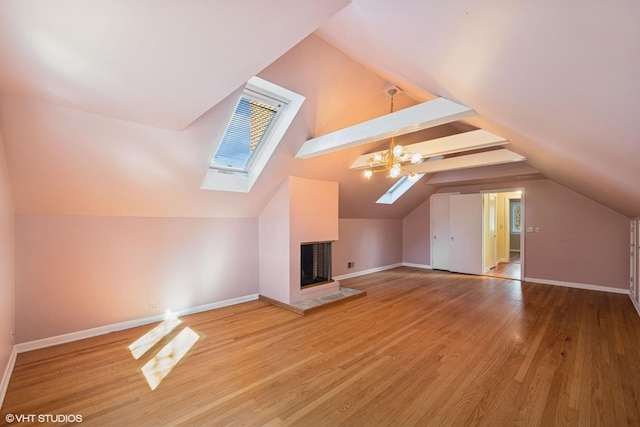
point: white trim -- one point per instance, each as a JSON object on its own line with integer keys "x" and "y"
{"x": 369, "y": 271}
{"x": 577, "y": 285}
{"x": 88, "y": 333}
{"x": 635, "y": 303}
{"x": 7, "y": 375}
{"x": 410, "y": 264}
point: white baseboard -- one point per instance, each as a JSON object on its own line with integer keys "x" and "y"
{"x": 88, "y": 333}
{"x": 7, "y": 375}
{"x": 369, "y": 271}
{"x": 635, "y": 303}
{"x": 577, "y": 285}
{"x": 411, "y": 264}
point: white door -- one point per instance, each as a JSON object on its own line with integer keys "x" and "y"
{"x": 465, "y": 229}
{"x": 493, "y": 230}
{"x": 489, "y": 232}
{"x": 632, "y": 271}
{"x": 635, "y": 260}
{"x": 440, "y": 232}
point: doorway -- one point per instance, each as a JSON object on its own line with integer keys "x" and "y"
{"x": 502, "y": 234}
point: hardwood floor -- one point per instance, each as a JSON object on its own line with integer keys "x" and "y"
{"x": 505, "y": 270}
{"x": 422, "y": 348}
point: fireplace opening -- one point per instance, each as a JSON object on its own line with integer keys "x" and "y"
{"x": 315, "y": 263}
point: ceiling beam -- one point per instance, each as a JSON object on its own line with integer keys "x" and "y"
{"x": 507, "y": 171}
{"x": 412, "y": 119}
{"x": 467, "y": 141}
{"x": 494, "y": 157}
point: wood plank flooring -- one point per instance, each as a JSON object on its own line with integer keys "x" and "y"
{"x": 506, "y": 270}
{"x": 422, "y": 348}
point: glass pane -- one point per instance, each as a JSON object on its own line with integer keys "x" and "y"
{"x": 244, "y": 133}
{"x": 516, "y": 215}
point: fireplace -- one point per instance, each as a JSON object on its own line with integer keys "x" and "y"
{"x": 315, "y": 263}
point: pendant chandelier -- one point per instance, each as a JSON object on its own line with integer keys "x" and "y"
{"x": 392, "y": 159}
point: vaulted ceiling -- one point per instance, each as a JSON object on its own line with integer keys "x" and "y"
{"x": 113, "y": 107}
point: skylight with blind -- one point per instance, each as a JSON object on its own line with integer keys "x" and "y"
{"x": 258, "y": 123}
{"x": 247, "y": 128}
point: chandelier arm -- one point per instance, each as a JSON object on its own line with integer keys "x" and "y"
{"x": 391, "y": 159}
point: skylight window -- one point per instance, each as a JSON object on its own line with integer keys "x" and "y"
{"x": 398, "y": 189}
{"x": 247, "y": 129}
{"x": 261, "y": 118}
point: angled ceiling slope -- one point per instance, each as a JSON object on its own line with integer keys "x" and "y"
{"x": 160, "y": 64}
{"x": 533, "y": 70}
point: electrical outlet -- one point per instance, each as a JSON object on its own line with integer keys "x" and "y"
{"x": 351, "y": 264}
{"x": 13, "y": 336}
{"x": 154, "y": 306}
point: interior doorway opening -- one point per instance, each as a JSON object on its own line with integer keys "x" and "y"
{"x": 503, "y": 219}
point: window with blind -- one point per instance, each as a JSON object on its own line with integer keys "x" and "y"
{"x": 258, "y": 123}
{"x": 249, "y": 126}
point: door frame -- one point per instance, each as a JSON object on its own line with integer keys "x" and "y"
{"x": 522, "y": 220}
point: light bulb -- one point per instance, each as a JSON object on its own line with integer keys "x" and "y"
{"x": 397, "y": 150}
{"x": 368, "y": 173}
{"x": 377, "y": 157}
{"x": 416, "y": 157}
{"x": 413, "y": 177}
{"x": 395, "y": 171}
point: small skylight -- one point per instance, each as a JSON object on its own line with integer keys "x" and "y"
{"x": 261, "y": 118}
{"x": 398, "y": 189}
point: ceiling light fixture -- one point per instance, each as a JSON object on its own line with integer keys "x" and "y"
{"x": 392, "y": 159}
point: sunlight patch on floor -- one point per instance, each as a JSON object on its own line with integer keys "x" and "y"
{"x": 151, "y": 338}
{"x": 159, "y": 367}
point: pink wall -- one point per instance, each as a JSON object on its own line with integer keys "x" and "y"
{"x": 416, "y": 249}
{"x": 274, "y": 239}
{"x": 314, "y": 210}
{"x": 370, "y": 243}
{"x": 75, "y": 272}
{"x": 314, "y": 218}
{"x": 7, "y": 265}
{"x": 580, "y": 240}
{"x": 302, "y": 210}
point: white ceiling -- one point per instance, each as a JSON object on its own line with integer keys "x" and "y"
{"x": 157, "y": 63}
{"x": 110, "y": 107}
